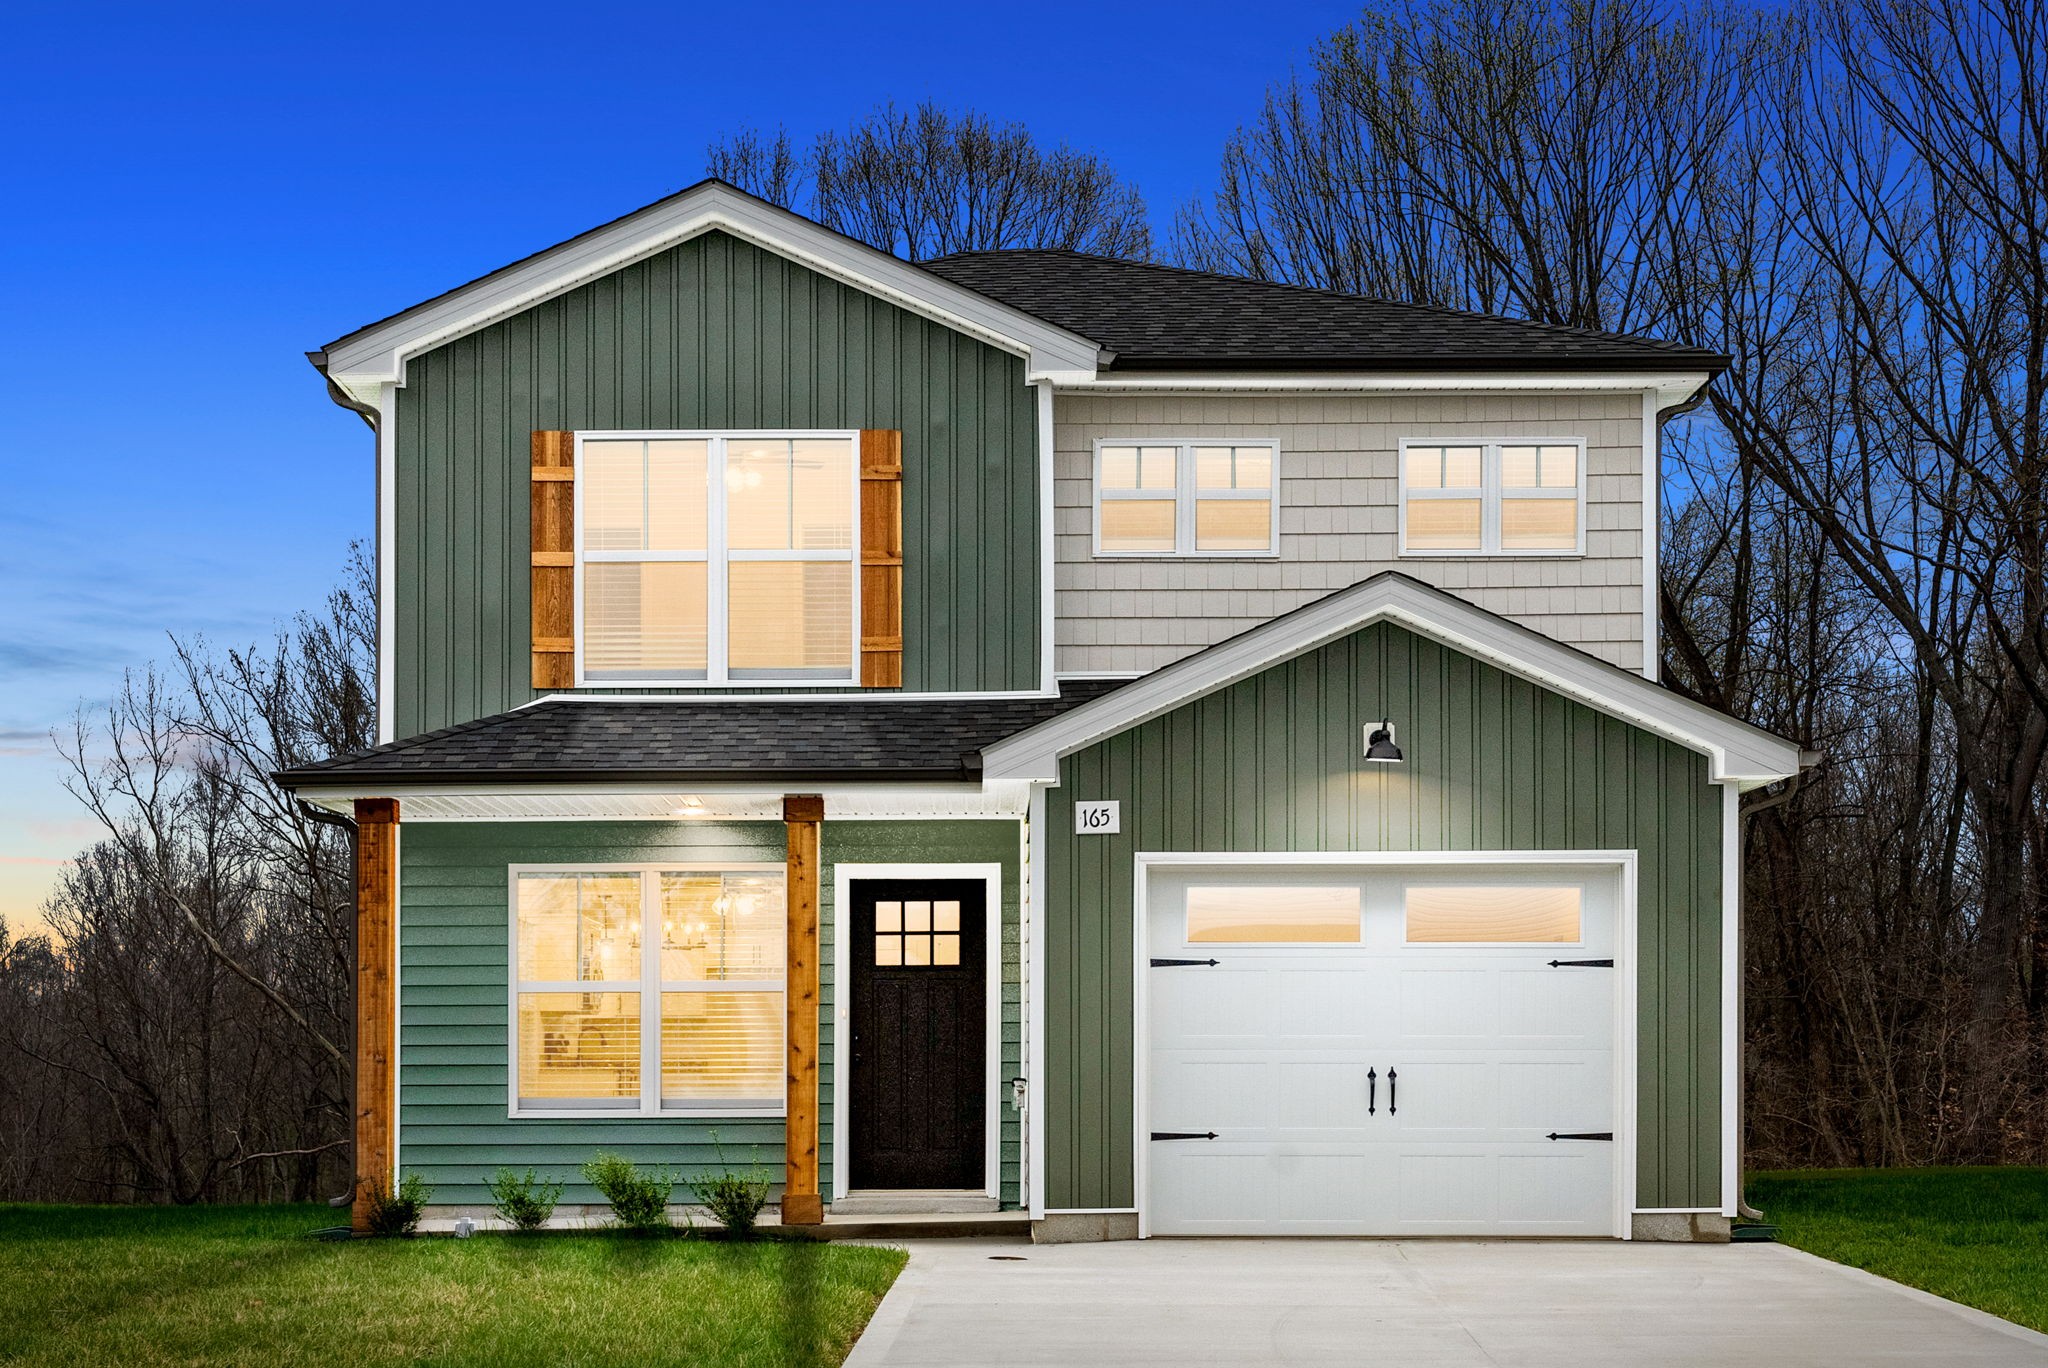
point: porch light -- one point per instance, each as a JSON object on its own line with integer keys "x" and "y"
{"x": 1379, "y": 744}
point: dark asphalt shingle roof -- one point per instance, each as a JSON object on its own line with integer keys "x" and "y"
{"x": 1166, "y": 318}
{"x": 591, "y": 740}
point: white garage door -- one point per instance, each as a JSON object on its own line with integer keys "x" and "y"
{"x": 1350, "y": 1051}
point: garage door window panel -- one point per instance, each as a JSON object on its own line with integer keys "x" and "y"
{"x": 1292, "y": 915}
{"x": 1493, "y": 914}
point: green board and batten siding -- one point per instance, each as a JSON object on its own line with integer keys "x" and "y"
{"x": 455, "y": 956}
{"x": 1273, "y": 763}
{"x": 713, "y": 333}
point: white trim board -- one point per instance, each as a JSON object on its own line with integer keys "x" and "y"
{"x": 377, "y": 354}
{"x": 1672, "y": 387}
{"x": 1739, "y": 753}
{"x": 1626, "y": 968}
{"x": 843, "y": 876}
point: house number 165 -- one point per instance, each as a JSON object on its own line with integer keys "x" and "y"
{"x": 1098, "y": 818}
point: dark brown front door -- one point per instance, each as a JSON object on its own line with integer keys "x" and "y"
{"x": 919, "y": 1048}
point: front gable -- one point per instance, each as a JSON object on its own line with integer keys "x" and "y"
{"x": 712, "y": 333}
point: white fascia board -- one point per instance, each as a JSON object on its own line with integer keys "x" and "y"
{"x": 1671, "y": 387}
{"x": 377, "y": 355}
{"x": 1739, "y": 753}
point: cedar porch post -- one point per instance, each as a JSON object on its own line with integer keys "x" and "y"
{"x": 376, "y": 1015}
{"x": 801, "y": 1202}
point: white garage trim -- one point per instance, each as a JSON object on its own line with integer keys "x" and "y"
{"x": 843, "y": 876}
{"x": 1623, "y": 862}
{"x": 1731, "y": 998}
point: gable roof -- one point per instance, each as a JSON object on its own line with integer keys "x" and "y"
{"x": 376, "y": 354}
{"x": 1738, "y": 753}
{"x": 593, "y": 740}
{"x": 1156, "y": 317}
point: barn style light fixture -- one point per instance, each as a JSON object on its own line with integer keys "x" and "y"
{"x": 1379, "y": 744}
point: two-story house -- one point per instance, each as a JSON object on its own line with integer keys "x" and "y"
{"x": 1159, "y": 752}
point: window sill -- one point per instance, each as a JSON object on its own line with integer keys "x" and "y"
{"x": 1490, "y": 555}
{"x": 599, "y": 1114}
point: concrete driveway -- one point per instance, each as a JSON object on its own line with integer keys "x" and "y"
{"x": 1528, "y": 1304}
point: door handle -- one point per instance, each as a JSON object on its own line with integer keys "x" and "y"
{"x": 1391, "y": 1094}
{"x": 1372, "y": 1089}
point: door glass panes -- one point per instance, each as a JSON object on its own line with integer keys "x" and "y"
{"x": 719, "y": 927}
{"x": 917, "y": 933}
{"x": 1274, "y": 916}
{"x": 1498, "y": 914}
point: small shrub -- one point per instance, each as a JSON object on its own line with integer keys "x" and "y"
{"x": 398, "y": 1213}
{"x": 524, "y": 1200}
{"x": 735, "y": 1197}
{"x": 639, "y": 1200}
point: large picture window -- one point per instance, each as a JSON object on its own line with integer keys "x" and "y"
{"x": 1498, "y": 498}
{"x": 716, "y": 557}
{"x": 1186, "y": 499}
{"x": 648, "y": 990}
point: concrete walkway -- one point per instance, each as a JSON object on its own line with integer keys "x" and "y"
{"x": 1589, "y": 1304}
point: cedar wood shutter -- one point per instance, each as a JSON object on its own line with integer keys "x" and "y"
{"x": 881, "y": 558}
{"x": 554, "y": 560}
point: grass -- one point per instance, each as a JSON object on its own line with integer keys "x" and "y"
{"x": 248, "y": 1286}
{"x": 1974, "y": 1235}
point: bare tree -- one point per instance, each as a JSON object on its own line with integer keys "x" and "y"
{"x": 926, "y": 183}
{"x": 185, "y": 1035}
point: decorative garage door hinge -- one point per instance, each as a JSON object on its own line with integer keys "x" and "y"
{"x": 1183, "y": 1135}
{"x": 1580, "y": 1135}
{"x": 1582, "y": 964}
{"x": 1163, "y": 963}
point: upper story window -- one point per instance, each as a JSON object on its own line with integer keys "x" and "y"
{"x": 1186, "y": 499}
{"x": 1499, "y": 498}
{"x": 717, "y": 557}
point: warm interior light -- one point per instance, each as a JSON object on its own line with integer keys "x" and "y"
{"x": 1379, "y": 744}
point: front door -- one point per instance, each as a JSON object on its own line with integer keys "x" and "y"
{"x": 918, "y": 1056}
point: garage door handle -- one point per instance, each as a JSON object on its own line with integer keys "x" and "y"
{"x": 1183, "y": 1135}
{"x": 1165, "y": 963}
{"x": 1580, "y": 1135}
{"x": 1372, "y": 1089}
{"x": 1582, "y": 964}
{"x": 1392, "y": 1096}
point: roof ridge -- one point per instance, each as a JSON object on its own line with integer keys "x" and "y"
{"x": 1322, "y": 291}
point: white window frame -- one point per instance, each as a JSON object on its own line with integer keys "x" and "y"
{"x": 1184, "y": 495}
{"x": 649, "y": 1106}
{"x": 1490, "y": 495}
{"x": 717, "y": 644}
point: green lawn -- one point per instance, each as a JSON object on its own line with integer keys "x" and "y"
{"x": 245, "y": 1285}
{"x": 1974, "y": 1235}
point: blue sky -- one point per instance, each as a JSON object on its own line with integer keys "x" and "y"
{"x": 198, "y": 194}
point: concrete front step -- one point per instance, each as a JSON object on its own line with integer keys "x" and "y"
{"x": 914, "y": 1202}
{"x": 932, "y": 1226}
